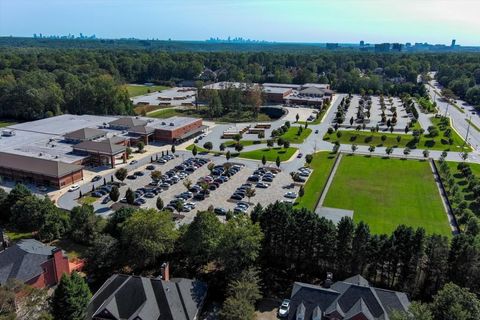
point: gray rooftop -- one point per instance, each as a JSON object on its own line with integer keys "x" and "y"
{"x": 348, "y": 298}
{"x": 134, "y": 297}
{"x": 45, "y": 167}
{"x": 172, "y": 123}
{"x": 85, "y": 134}
{"x": 60, "y": 125}
{"x": 23, "y": 260}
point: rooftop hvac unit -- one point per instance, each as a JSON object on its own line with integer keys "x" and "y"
{"x": 172, "y": 124}
{"x": 163, "y": 123}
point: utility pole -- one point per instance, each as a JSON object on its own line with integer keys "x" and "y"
{"x": 468, "y": 129}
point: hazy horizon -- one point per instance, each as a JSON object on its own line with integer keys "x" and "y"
{"x": 301, "y": 21}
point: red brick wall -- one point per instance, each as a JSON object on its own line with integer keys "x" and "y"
{"x": 169, "y": 135}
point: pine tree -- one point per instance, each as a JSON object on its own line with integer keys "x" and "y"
{"x": 70, "y": 299}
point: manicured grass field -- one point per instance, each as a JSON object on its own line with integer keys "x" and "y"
{"x": 165, "y": 113}
{"x": 321, "y": 164}
{"x": 292, "y": 134}
{"x": 406, "y": 140}
{"x": 270, "y": 154}
{"x": 140, "y": 90}
{"x": 388, "y": 192}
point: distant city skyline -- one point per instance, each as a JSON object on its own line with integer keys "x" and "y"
{"x": 342, "y": 21}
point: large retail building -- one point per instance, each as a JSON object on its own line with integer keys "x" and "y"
{"x": 53, "y": 151}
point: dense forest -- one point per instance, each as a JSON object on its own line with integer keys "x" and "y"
{"x": 36, "y": 82}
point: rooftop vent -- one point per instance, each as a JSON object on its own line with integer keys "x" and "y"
{"x": 172, "y": 124}
{"x": 163, "y": 123}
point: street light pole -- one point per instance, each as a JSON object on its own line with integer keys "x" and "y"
{"x": 468, "y": 129}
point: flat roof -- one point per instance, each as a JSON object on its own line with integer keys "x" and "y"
{"x": 172, "y": 123}
{"x": 60, "y": 125}
{"x": 276, "y": 89}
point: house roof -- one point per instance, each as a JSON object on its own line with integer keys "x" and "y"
{"x": 23, "y": 261}
{"x": 313, "y": 90}
{"x": 134, "y": 297}
{"x": 347, "y": 298}
{"x": 141, "y": 129}
{"x": 45, "y": 167}
{"x": 85, "y": 134}
{"x": 106, "y": 146}
{"x": 128, "y": 122}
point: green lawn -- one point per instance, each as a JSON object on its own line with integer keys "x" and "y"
{"x": 388, "y": 192}
{"x": 245, "y": 143}
{"x": 406, "y": 140}
{"x": 269, "y": 153}
{"x": 87, "y": 200}
{"x": 202, "y": 112}
{"x": 292, "y": 134}
{"x": 73, "y": 250}
{"x": 4, "y": 123}
{"x": 321, "y": 164}
{"x": 15, "y": 236}
{"x": 140, "y": 90}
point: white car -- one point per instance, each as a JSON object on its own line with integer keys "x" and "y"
{"x": 73, "y": 187}
{"x": 284, "y": 308}
{"x": 290, "y": 194}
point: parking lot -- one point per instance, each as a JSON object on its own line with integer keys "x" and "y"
{"x": 376, "y": 113}
{"x": 218, "y": 198}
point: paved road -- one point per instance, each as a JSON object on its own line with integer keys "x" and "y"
{"x": 459, "y": 119}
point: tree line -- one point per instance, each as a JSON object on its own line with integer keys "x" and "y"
{"x": 38, "y": 82}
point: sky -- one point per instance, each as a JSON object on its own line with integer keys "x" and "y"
{"x": 344, "y": 21}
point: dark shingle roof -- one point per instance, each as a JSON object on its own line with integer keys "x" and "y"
{"x": 105, "y": 147}
{"x": 347, "y": 298}
{"x": 23, "y": 260}
{"x": 85, "y": 134}
{"x": 134, "y": 297}
{"x": 45, "y": 167}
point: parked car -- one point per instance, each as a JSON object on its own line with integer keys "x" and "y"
{"x": 236, "y": 196}
{"x": 133, "y": 162}
{"x": 131, "y": 177}
{"x": 284, "y": 308}
{"x": 300, "y": 155}
{"x": 96, "y": 178}
{"x": 150, "y": 167}
{"x": 290, "y": 195}
{"x": 73, "y": 187}
{"x": 139, "y": 173}
{"x": 106, "y": 200}
{"x": 220, "y": 211}
{"x": 316, "y": 131}
{"x": 253, "y": 178}
{"x": 262, "y": 185}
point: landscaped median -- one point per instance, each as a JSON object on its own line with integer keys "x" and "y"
{"x": 270, "y": 154}
{"x": 398, "y": 140}
{"x": 296, "y": 135}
